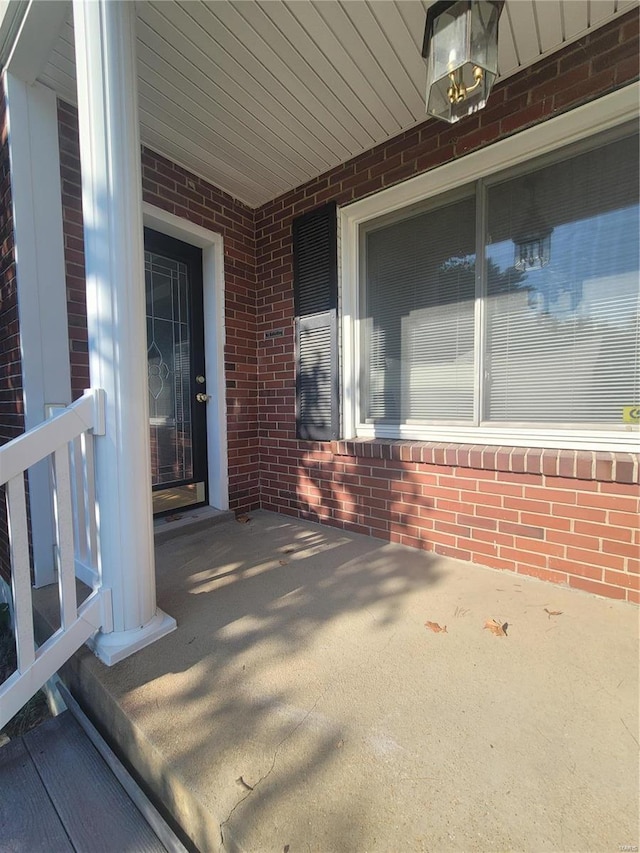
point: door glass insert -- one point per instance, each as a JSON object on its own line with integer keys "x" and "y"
{"x": 176, "y": 372}
{"x": 169, "y": 371}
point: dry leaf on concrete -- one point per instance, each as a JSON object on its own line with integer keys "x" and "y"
{"x": 283, "y": 562}
{"x": 243, "y": 519}
{"x": 553, "y": 612}
{"x": 496, "y": 628}
{"x": 433, "y": 626}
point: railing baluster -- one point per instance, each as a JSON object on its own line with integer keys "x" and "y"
{"x": 79, "y": 505}
{"x": 90, "y": 498}
{"x": 20, "y": 572}
{"x": 64, "y": 524}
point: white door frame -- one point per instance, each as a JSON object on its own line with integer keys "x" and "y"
{"x": 212, "y": 246}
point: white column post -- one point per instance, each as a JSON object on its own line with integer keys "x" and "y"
{"x": 112, "y": 208}
{"x": 42, "y": 294}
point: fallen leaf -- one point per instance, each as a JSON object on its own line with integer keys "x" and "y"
{"x": 283, "y": 562}
{"x": 243, "y": 519}
{"x": 496, "y": 628}
{"x": 433, "y": 626}
{"x": 553, "y": 612}
{"x": 288, "y": 550}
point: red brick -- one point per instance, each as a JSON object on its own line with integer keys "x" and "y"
{"x": 633, "y": 566}
{"x": 478, "y": 546}
{"x": 452, "y": 552}
{"x": 569, "y": 511}
{"x": 622, "y": 549}
{"x": 540, "y": 546}
{"x": 606, "y": 531}
{"x": 624, "y": 519}
{"x": 627, "y": 50}
{"x": 493, "y": 562}
{"x": 572, "y": 568}
{"x": 525, "y": 117}
{"x": 546, "y": 493}
{"x": 622, "y": 579}
{"x": 521, "y": 530}
{"x": 625, "y": 503}
{"x": 597, "y": 588}
{"x": 613, "y": 561}
{"x": 478, "y": 533}
{"x": 541, "y": 573}
{"x": 541, "y": 507}
{"x": 519, "y": 556}
{"x": 547, "y": 522}
{"x": 587, "y": 90}
{"x": 631, "y": 490}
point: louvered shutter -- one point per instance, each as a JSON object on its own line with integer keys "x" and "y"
{"x": 315, "y": 278}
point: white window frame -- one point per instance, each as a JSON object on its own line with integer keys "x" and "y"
{"x": 581, "y": 123}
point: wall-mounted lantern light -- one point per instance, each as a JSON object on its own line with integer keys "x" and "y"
{"x": 461, "y": 51}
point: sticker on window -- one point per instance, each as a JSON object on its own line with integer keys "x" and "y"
{"x": 631, "y": 414}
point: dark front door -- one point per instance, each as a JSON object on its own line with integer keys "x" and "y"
{"x": 176, "y": 370}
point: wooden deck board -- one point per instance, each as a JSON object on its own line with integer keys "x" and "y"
{"x": 28, "y": 821}
{"x": 94, "y": 809}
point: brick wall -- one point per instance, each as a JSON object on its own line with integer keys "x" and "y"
{"x": 11, "y": 406}
{"x": 172, "y": 188}
{"x": 73, "y": 247}
{"x": 562, "y": 516}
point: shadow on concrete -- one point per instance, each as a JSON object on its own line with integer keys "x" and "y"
{"x": 249, "y": 607}
{"x": 301, "y": 702}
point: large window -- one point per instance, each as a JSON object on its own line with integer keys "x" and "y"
{"x": 511, "y": 303}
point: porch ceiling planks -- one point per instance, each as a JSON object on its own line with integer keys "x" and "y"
{"x": 259, "y": 97}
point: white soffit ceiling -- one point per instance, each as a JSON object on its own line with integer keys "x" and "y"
{"x": 259, "y": 96}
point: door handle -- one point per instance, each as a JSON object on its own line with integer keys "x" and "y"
{"x": 203, "y": 398}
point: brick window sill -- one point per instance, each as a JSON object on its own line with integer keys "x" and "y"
{"x": 605, "y": 467}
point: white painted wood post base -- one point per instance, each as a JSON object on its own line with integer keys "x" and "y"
{"x": 114, "y": 647}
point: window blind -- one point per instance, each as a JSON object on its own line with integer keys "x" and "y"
{"x": 562, "y": 338}
{"x": 418, "y": 325}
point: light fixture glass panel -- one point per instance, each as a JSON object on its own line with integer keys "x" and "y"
{"x": 462, "y": 59}
{"x": 449, "y": 42}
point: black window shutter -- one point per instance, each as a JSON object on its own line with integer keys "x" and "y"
{"x": 315, "y": 289}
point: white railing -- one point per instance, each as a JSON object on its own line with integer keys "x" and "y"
{"x": 68, "y": 439}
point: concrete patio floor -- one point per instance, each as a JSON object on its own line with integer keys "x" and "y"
{"x": 302, "y": 704}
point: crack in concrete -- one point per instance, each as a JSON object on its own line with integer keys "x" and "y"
{"x": 273, "y": 763}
